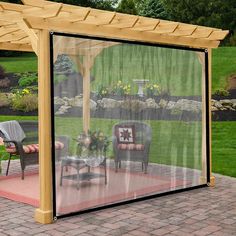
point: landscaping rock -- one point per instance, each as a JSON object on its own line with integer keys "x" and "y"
{"x": 108, "y": 103}
{"x": 214, "y": 108}
{"x": 63, "y": 110}
{"x": 133, "y": 105}
{"x": 59, "y": 101}
{"x": 163, "y": 103}
{"x": 170, "y": 105}
{"x": 78, "y": 102}
{"x": 93, "y": 105}
{"x": 188, "y": 105}
{"x": 226, "y": 102}
{"x": 150, "y": 103}
{"x": 218, "y": 105}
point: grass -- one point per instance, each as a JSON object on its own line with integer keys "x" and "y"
{"x": 223, "y": 66}
{"x": 170, "y": 68}
{"x": 25, "y": 63}
{"x": 176, "y": 71}
{"x": 175, "y": 142}
{"x": 224, "y": 148}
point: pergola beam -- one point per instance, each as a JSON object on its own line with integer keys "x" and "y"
{"x": 16, "y": 47}
{"x": 127, "y": 34}
{"x": 31, "y": 34}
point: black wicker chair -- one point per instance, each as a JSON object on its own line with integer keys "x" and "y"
{"x": 138, "y": 151}
{"x": 21, "y": 145}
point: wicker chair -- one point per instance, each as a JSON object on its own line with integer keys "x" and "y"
{"x": 137, "y": 151}
{"x": 21, "y": 139}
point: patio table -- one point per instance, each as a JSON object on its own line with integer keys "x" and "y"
{"x": 78, "y": 164}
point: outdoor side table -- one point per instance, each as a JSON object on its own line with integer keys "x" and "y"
{"x": 78, "y": 164}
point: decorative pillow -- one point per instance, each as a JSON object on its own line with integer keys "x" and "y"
{"x": 125, "y": 134}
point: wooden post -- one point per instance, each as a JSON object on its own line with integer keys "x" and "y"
{"x": 212, "y": 178}
{"x": 203, "y": 178}
{"x": 86, "y": 93}
{"x": 44, "y": 213}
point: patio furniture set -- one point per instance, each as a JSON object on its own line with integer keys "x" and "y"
{"x": 130, "y": 140}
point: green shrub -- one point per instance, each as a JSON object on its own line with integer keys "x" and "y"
{"x": 152, "y": 89}
{"x": 222, "y": 92}
{"x": 28, "y": 80}
{"x": 24, "y": 101}
{"x": 103, "y": 91}
{"x": 4, "y": 101}
{"x": 121, "y": 88}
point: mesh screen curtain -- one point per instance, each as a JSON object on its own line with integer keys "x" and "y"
{"x": 131, "y": 119}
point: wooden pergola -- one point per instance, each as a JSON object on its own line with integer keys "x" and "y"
{"x": 26, "y": 28}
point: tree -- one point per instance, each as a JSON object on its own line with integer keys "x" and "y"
{"x": 213, "y": 13}
{"x": 99, "y": 4}
{"x": 127, "y": 6}
{"x": 155, "y": 9}
{"x": 12, "y": 1}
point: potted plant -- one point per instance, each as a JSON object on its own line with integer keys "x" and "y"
{"x": 92, "y": 147}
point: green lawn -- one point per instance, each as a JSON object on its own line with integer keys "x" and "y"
{"x": 177, "y": 71}
{"x": 25, "y": 63}
{"x": 223, "y": 66}
{"x": 173, "y": 142}
{"x": 224, "y": 148}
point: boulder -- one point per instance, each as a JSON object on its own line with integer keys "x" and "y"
{"x": 188, "y": 105}
{"x": 226, "y": 102}
{"x": 133, "y": 105}
{"x": 170, "y": 105}
{"x": 218, "y": 105}
{"x": 234, "y": 103}
{"x": 214, "y": 108}
{"x": 93, "y": 105}
{"x": 59, "y": 101}
{"x": 150, "y": 103}
{"x": 78, "y": 102}
{"x": 163, "y": 103}
{"x": 62, "y": 110}
{"x": 108, "y": 103}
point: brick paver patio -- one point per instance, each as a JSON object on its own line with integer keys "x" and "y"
{"x": 207, "y": 211}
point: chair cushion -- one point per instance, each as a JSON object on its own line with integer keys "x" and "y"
{"x": 33, "y": 148}
{"x": 131, "y": 146}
